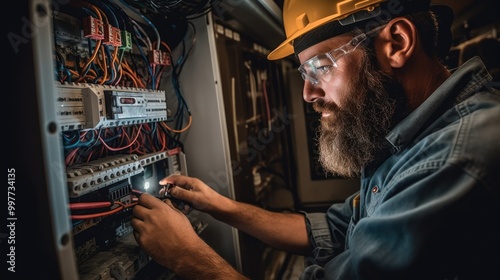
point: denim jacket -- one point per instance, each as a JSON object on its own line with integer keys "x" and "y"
{"x": 428, "y": 208}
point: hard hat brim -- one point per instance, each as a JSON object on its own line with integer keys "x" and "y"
{"x": 286, "y": 47}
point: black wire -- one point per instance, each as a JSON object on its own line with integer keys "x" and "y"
{"x": 206, "y": 11}
{"x": 186, "y": 55}
{"x": 179, "y": 10}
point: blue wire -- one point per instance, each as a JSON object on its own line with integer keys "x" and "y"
{"x": 145, "y": 19}
{"x": 111, "y": 12}
{"x": 153, "y": 77}
{"x": 150, "y": 69}
{"x": 71, "y": 146}
{"x": 110, "y": 61}
{"x": 68, "y": 73}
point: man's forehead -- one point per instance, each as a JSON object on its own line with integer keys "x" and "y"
{"x": 323, "y": 47}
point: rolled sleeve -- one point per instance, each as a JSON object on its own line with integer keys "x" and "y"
{"x": 327, "y": 236}
{"x": 320, "y": 239}
{"x": 327, "y": 232}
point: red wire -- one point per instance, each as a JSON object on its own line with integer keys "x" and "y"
{"x": 102, "y": 214}
{"x": 89, "y": 205}
{"x": 96, "y": 215}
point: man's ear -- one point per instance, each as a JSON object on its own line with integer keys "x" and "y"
{"x": 399, "y": 40}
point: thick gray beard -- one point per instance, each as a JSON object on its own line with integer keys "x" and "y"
{"x": 350, "y": 138}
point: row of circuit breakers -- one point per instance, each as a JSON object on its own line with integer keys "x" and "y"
{"x": 87, "y": 178}
{"x": 91, "y": 106}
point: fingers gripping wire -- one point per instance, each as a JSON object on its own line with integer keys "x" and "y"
{"x": 165, "y": 190}
{"x": 164, "y": 193}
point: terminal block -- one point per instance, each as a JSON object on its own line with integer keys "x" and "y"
{"x": 112, "y": 36}
{"x": 126, "y": 38}
{"x": 93, "y": 28}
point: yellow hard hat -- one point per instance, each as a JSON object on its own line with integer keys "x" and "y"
{"x": 302, "y": 16}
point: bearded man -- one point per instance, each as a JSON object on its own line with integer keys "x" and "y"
{"x": 424, "y": 140}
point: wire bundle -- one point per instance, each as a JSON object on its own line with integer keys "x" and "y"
{"x": 92, "y": 61}
{"x": 179, "y": 9}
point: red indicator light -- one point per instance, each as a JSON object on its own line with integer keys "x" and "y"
{"x": 127, "y": 100}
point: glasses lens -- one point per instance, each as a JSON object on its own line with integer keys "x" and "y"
{"x": 307, "y": 74}
{"x": 318, "y": 67}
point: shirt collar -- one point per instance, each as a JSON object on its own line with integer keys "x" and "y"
{"x": 463, "y": 82}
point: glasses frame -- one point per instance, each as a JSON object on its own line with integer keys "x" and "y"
{"x": 313, "y": 75}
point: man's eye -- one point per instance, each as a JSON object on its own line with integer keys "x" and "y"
{"x": 324, "y": 69}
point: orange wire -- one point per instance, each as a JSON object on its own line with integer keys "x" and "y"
{"x": 166, "y": 46}
{"x": 92, "y": 58}
{"x": 103, "y": 65}
{"x": 121, "y": 148}
{"x": 133, "y": 73}
{"x": 181, "y": 130}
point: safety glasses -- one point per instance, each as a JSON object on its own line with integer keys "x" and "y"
{"x": 320, "y": 67}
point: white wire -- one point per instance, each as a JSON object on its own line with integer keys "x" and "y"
{"x": 253, "y": 90}
{"x": 235, "y": 119}
{"x": 145, "y": 36}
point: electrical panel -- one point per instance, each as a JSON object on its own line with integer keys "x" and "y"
{"x": 120, "y": 113}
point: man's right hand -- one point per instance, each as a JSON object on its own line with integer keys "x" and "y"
{"x": 194, "y": 192}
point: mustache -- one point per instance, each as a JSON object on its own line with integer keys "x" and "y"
{"x": 323, "y": 106}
